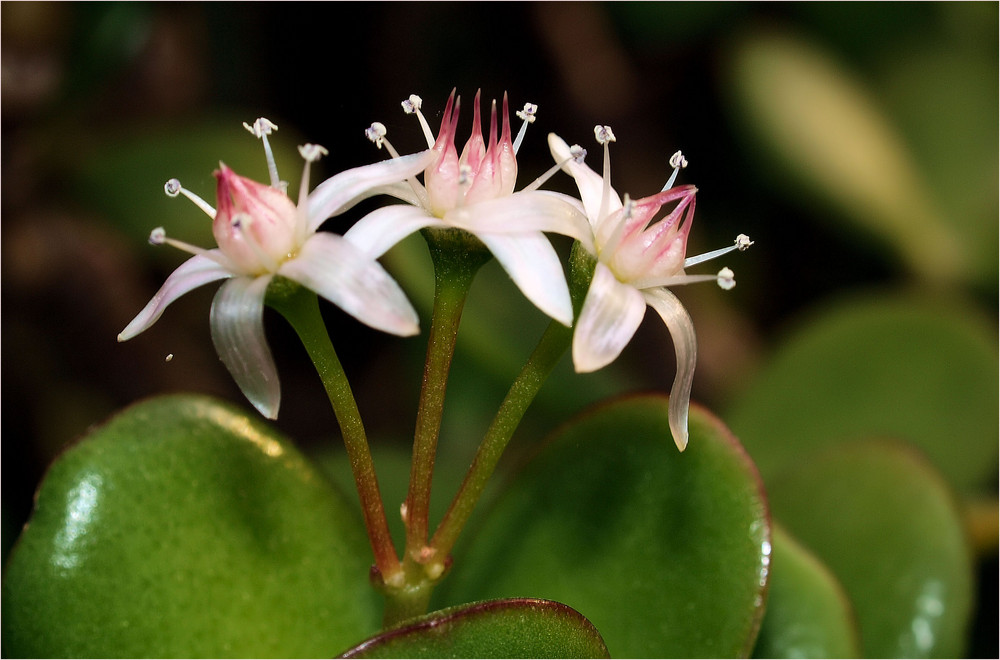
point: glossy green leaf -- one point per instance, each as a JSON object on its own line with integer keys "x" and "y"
{"x": 512, "y": 628}
{"x": 665, "y": 552}
{"x": 828, "y": 133}
{"x": 184, "y": 527}
{"x": 886, "y": 524}
{"x": 808, "y": 614}
{"x": 898, "y": 366}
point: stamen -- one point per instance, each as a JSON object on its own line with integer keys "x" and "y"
{"x": 678, "y": 162}
{"x": 726, "y": 279}
{"x": 528, "y": 115}
{"x": 741, "y": 243}
{"x": 412, "y": 106}
{"x": 604, "y": 136}
{"x": 465, "y": 176}
{"x": 159, "y": 237}
{"x": 242, "y": 223}
{"x": 173, "y": 188}
{"x": 170, "y": 356}
{"x": 261, "y": 128}
{"x": 310, "y": 153}
{"x": 376, "y": 133}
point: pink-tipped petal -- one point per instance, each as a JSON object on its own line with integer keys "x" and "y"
{"x": 533, "y": 264}
{"x": 342, "y": 191}
{"x": 193, "y": 273}
{"x": 334, "y": 268}
{"x": 381, "y": 229}
{"x": 681, "y": 329}
{"x": 611, "y": 314}
{"x": 237, "y": 322}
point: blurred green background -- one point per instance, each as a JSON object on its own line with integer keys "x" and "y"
{"x": 855, "y": 143}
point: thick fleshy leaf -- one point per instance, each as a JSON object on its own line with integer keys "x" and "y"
{"x": 611, "y": 314}
{"x": 902, "y": 366}
{"x": 185, "y": 528}
{"x": 341, "y": 191}
{"x": 193, "y": 273}
{"x": 337, "y": 270}
{"x": 829, "y": 133}
{"x": 533, "y": 264}
{"x": 237, "y": 321}
{"x": 381, "y": 229}
{"x": 512, "y": 628}
{"x": 665, "y": 553}
{"x": 808, "y": 614}
{"x": 887, "y": 525}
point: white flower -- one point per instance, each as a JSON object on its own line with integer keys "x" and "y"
{"x": 261, "y": 233}
{"x": 637, "y": 259}
{"x": 474, "y": 192}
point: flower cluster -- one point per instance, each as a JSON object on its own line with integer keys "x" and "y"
{"x": 261, "y": 234}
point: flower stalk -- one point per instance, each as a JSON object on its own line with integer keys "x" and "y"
{"x": 457, "y": 256}
{"x": 300, "y": 307}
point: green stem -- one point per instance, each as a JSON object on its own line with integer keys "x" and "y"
{"x": 301, "y": 308}
{"x": 521, "y": 394}
{"x": 456, "y": 261}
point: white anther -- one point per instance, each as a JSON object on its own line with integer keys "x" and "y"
{"x": 172, "y": 187}
{"x": 627, "y": 207}
{"x": 158, "y": 236}
{"x": 743, "y": 242}
{"x": 170, "y": 356}
{"x": 403, "y": 511}
{"x": 464, "y": 175}
{"x": 726, "y": 279}
{"x": 375, "y": 133}
{"x": 578, "y": 153}
{"x": 261, "y": 127}
{"x": 604, "y": 134}
{"x": 528, "y": 113}
{"x": 412, "y": 104}
{"x": 678, "y": 161}
{"x": 312, "y": 152}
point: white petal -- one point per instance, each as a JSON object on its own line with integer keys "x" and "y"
{"x": 340, "y": 272}
{"x": 191, "y": 274}
{"x": 611, "y": 314}
{"x": 381, "y": 229}
{"x": 237, "y": 322}
{"x": 525, "y": 212}
{"x": 342, "y": 191}
{"x": 589, "y": 182}
{"x": 533, "y": 264}
{"x": 681, "y": 329}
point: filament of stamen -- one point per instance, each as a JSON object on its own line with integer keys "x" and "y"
{"x": 412, "y": 106}
{"x": 678, "y": 162}
{"x": 742, "y": 243}
{"x": 537, "y": 183}
{"x": 261, "y": 128}
{"x": 605, "y": 135}
{"x": 528, "y": 115}
{"x": 725, "y": 278}
{"x": 159, "y": 237}
{"x": 173, "y": 188}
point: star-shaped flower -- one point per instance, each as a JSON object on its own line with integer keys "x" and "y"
{"x": 474, "y": 192}
{"x": 637, "y": 259}
{"x": 261, "y": 233}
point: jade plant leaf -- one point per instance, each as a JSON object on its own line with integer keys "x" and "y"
{"x": 183, "y": 527}
{"x": 886, "y": 365}
{"x": 885, "y": 522}
{"x": 665, "y": 552}
{"x": 808, "y": 614}
{"x": 511, "y": 628}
